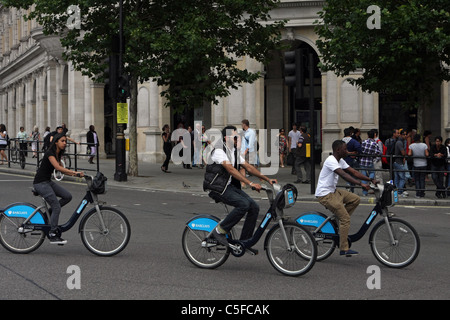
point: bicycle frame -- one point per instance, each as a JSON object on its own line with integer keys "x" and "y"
{"x": 328, "y": 233}
{"x": 325, "y": 228}
{"x": 209, "y": 222}
{"x": 40, "y": 221}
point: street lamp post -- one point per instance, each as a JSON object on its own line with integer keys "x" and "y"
{"x": 120, "y": 174}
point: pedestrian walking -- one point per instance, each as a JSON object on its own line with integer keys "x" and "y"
{"x": 167, "y": 147}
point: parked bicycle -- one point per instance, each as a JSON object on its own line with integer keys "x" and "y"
{"x": 290, "y": 247}
{"x": 394, "y": 242}
{"x": 105, "y": 231}
{"x": 18, "y": 153}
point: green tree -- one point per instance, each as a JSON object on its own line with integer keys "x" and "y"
{"x": 407, "y": 53}
{"x": 189, "y": 47}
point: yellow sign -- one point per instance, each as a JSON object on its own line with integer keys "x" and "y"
{"x": 122, "y": 113}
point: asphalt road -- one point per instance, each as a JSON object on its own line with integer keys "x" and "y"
{"x": 153, "y": 266}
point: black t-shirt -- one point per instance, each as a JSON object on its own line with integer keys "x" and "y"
{"x": 46, "y": 168}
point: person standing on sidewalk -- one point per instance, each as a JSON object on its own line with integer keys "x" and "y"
{"x": 419, "y": 151}
{"x": 167, "y": 147}
{"x": 438, "y": 155}
{"x": 293, "y": 137}
{"x": 248, "y": 146}
{"x": 399, "y": 161}
{"x": 301, "y": 161}
{"x": 92, "y": 140}
{"x": 369, "y": 149}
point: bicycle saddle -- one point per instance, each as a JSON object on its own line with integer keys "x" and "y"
{"x": 35, "y": 193}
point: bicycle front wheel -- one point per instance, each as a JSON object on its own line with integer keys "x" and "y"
{"x": 106, "y": 233}
{"x": 398, "y": 252}
{"x": 19, "y": 240}
{"x": 291, "y": 250}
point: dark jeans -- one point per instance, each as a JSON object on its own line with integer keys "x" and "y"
{"x": 49, "y": 190}
{"x": 242, "y": 204}
{"x": 419, "y": 179}
{"x": 438, "y": 177}
{"x": 168, "y": 151}
{"x": 302, "y": 162}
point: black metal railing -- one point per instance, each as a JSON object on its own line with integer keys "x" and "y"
{"x": 409, "y": 168}
{"x": 19, "y": 150}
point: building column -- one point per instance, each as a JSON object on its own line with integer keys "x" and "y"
{"x": 52, "y": 98}
{"x": 76, "y": 102}
{"x": 331, "y": 130}
{"x": 40, "y": 96}
{"x": 98, "y": 114}
{"x": 11, "y": 124}
{"x": 445, "y": 107}
{"x": 369, "y": 111}
{"x": 30, "y": 103}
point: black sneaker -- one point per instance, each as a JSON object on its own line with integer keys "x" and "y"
{"x": 221, "y": 238}
{"x": 348, "y": 253}
{"x": 55, "y": 239}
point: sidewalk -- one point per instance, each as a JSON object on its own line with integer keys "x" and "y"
{"x": 191, "y": 181}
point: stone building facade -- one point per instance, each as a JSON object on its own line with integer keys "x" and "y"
{"x": 38, "y": 87}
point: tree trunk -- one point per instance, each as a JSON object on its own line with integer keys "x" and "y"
{"x": 132, "y": 130}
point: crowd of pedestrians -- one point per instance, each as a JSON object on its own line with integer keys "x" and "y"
{"x": 412, "y": 158}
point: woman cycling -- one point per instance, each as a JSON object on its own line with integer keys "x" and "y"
{"x": 48, "y": 189}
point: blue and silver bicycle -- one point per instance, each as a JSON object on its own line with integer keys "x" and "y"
{"x": 394, "y": 242}
{"x": 104, "y": 231}
{"x": 290, "y": 248}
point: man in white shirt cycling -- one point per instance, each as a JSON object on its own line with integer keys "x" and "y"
{"x": 222, "y": 180}
{"x": 340, "y": 201}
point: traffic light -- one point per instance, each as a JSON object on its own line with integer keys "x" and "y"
{"x": 110, "y": 75}
{"x": 123, "y": 92}
{"x": 289, "y": 68}
{"x": 293, "y": 71}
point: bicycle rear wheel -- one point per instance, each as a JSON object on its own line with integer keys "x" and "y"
{"x": 291, "y": 250}
{"x": 405, "y": 248}
{"x": 22, "y": 160}
{"x": 109, "y": 241}
{"x": 203, "y": 254}
{"x": 25, "y": 241}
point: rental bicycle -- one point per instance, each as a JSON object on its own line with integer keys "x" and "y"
{"x": 104, "y": 231}
{"x": 290, "y": 247}
{"x": 18, "y": 153}
{"x": 394, "y": 242}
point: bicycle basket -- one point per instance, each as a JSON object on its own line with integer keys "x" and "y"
{"x": 98, "y": 185}
{"x": 390, "y": 196}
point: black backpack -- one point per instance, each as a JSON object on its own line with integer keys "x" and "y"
{"x": 390, "y": 146}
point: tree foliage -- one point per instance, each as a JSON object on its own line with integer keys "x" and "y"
{"x": 408, "y": 54}
{"x": 189, "y": 47}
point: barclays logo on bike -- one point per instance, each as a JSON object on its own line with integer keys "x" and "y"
{"x": 199, "y": 225}
{"x": 16, "y": 213}
{"x": 308, "y": 221}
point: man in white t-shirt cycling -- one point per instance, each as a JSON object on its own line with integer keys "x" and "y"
{"x": 340, "y": 201}
{"x": 222, "y": 180}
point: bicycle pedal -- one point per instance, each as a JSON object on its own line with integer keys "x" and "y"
{"x": 252, "y": 251}
{"x": 209, "y": 243}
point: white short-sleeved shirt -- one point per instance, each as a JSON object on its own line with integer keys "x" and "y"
{"x": 418, "y": 150}
{"x": 294, "y": 135}
{"x": 328, "y": 179}
{"x": 219, "y": 156}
